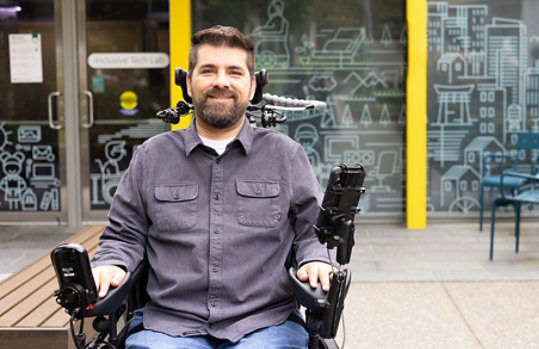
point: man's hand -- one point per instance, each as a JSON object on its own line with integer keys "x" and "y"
{"x": 106, "y": 276}
{"x": 314, "y": 271}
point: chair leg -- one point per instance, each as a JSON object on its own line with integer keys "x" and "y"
{"x": 481, "y": 209}
{"x": 517, "y": 225}
{"x": 492, "y": 217}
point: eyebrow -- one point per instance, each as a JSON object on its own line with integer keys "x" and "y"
{"x": 230, "y": 67}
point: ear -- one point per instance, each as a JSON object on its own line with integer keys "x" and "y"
{"x": 188, "y": 85}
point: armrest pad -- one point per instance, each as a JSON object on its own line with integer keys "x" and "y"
{"x": 115, "y": 297}
{"x": 307, "y": 296}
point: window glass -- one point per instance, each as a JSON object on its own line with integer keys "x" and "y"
{"x": 483, "y": 73}
{"x": 348, "y": 53}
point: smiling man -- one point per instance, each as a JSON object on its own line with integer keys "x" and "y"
{"x": 216, "y": 210}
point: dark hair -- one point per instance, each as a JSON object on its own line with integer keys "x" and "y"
{"x": 221, "y": 36}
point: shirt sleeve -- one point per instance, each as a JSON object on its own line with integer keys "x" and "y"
{"x": 306, "y": 198}
{"x": 123, "y": 241}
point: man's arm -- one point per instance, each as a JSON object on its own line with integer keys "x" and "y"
{"x": 310, "y": 254}
{"x": 122, "y": 244}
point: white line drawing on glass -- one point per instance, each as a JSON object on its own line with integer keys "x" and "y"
{"x": 338, "y": 52}
{"x": 337, "y": 143}
{"x": 271, "y": 48}
{"x": 366, "y": 118}
{"x": 29, "y": 200}
{"x": 453, "y": 104}
{"x": 43, "y": 152}
{"x": 531, "y": 102}
{"x": 365, "y": 157}
{"x": 452, "y": 64}
{"x": 384, "y": 116}
{"x": 29, "y": 134}
{"x": 49, "y": 200}
{"x": 307, "y": 136}
{"x": 444, "y": 145}
{"x": 12, "y": 184}
{"x": 460, "y": 180}
{"x": 110, "y": 173}
{"x": 386, "y": 36}
{"x": 322, "y": 82}
{"x": 385, "y": 167}
{"x": 4, "y": 137}
{"x": 43, "y": 176}
{"x": 22, "y": 174}
{"x": 347, "y": 118}
{"x": 368, "y": 81}
{"x": 328, "y": 119}
{"x": 477, "y": 148}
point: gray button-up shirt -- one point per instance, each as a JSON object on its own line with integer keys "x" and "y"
{"x": 216, "y": 230}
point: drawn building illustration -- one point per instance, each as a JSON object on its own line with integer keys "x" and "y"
{"x": 482, "y": 91}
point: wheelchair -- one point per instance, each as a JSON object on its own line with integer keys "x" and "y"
{"x": 334, "y": 227}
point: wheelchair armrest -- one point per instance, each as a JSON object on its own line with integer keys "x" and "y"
{"x": 307, "y": 296}
{"x": 115, "y": 296}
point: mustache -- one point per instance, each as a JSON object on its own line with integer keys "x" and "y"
{"x": 220, "y": 93}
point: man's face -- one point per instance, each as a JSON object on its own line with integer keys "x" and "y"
{"x": 220, "y": 85}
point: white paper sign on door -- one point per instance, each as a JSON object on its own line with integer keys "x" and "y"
{"x": 25, "y": 61}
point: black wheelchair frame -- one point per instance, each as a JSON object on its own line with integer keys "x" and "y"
{"x": 334, "y": 227}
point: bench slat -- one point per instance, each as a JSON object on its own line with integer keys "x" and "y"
{"x": 59, "y": 319}
{"x": 10, "y": 318}
{"x": 48, "y": 308}
{"x": 19, "y": 294}
{"x": 26, "y": 297}
{"x": 21, "y": 277}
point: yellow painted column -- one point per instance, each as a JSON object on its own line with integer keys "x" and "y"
{"x": 416, "y": 114}
{"x": 180, "y": 40}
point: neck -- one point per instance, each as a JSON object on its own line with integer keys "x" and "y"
{"x": 210, "y": 132}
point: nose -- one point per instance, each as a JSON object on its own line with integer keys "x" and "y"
{"x": 221, "y": 80}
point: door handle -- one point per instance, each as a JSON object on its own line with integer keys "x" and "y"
{"x": 90, "y": 116}
{"x": 52, "y": 124}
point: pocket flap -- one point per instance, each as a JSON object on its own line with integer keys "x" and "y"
{"x": 257, "y": 189}
{"x": 175, "y": 192}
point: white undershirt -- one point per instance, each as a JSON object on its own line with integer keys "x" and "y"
{"x": 219, "y": 145}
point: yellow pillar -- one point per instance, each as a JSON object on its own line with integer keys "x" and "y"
{"x": 180, "y": 39}
{"x": 416, "y": 114}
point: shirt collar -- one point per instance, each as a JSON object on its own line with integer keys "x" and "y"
{"x": 245, "y": 137}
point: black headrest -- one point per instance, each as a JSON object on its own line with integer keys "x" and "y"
{"x": 261, "y": 77}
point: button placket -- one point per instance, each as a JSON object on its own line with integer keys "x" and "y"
{"x": 216, "y": 243}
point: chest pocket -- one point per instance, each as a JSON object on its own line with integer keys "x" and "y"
{"x": 175, "y": 206}
{"x": 258, "y": 203}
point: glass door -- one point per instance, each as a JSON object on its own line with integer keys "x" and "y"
{"x": 124, "y": 80}
{"x": 32, "y": 157}
{"x": 80, "y": 83}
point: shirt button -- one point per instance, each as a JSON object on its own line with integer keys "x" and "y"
{"x": 217, "y": 196}
{"x": 216, "y": 232}
{"x": 213, "y": 304}
{"x": 215, "y": 269}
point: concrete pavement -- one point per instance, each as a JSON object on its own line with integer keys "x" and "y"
{"x": 431, "y": 288}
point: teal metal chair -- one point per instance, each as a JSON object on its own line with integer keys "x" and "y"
{"x": 529, "y": 195}
{"x": 525, "y": 141}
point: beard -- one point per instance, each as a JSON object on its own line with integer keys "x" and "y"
{"x": 219, "y": 115}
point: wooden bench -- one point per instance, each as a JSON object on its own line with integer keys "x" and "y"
{"x": 29, "y": 315}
